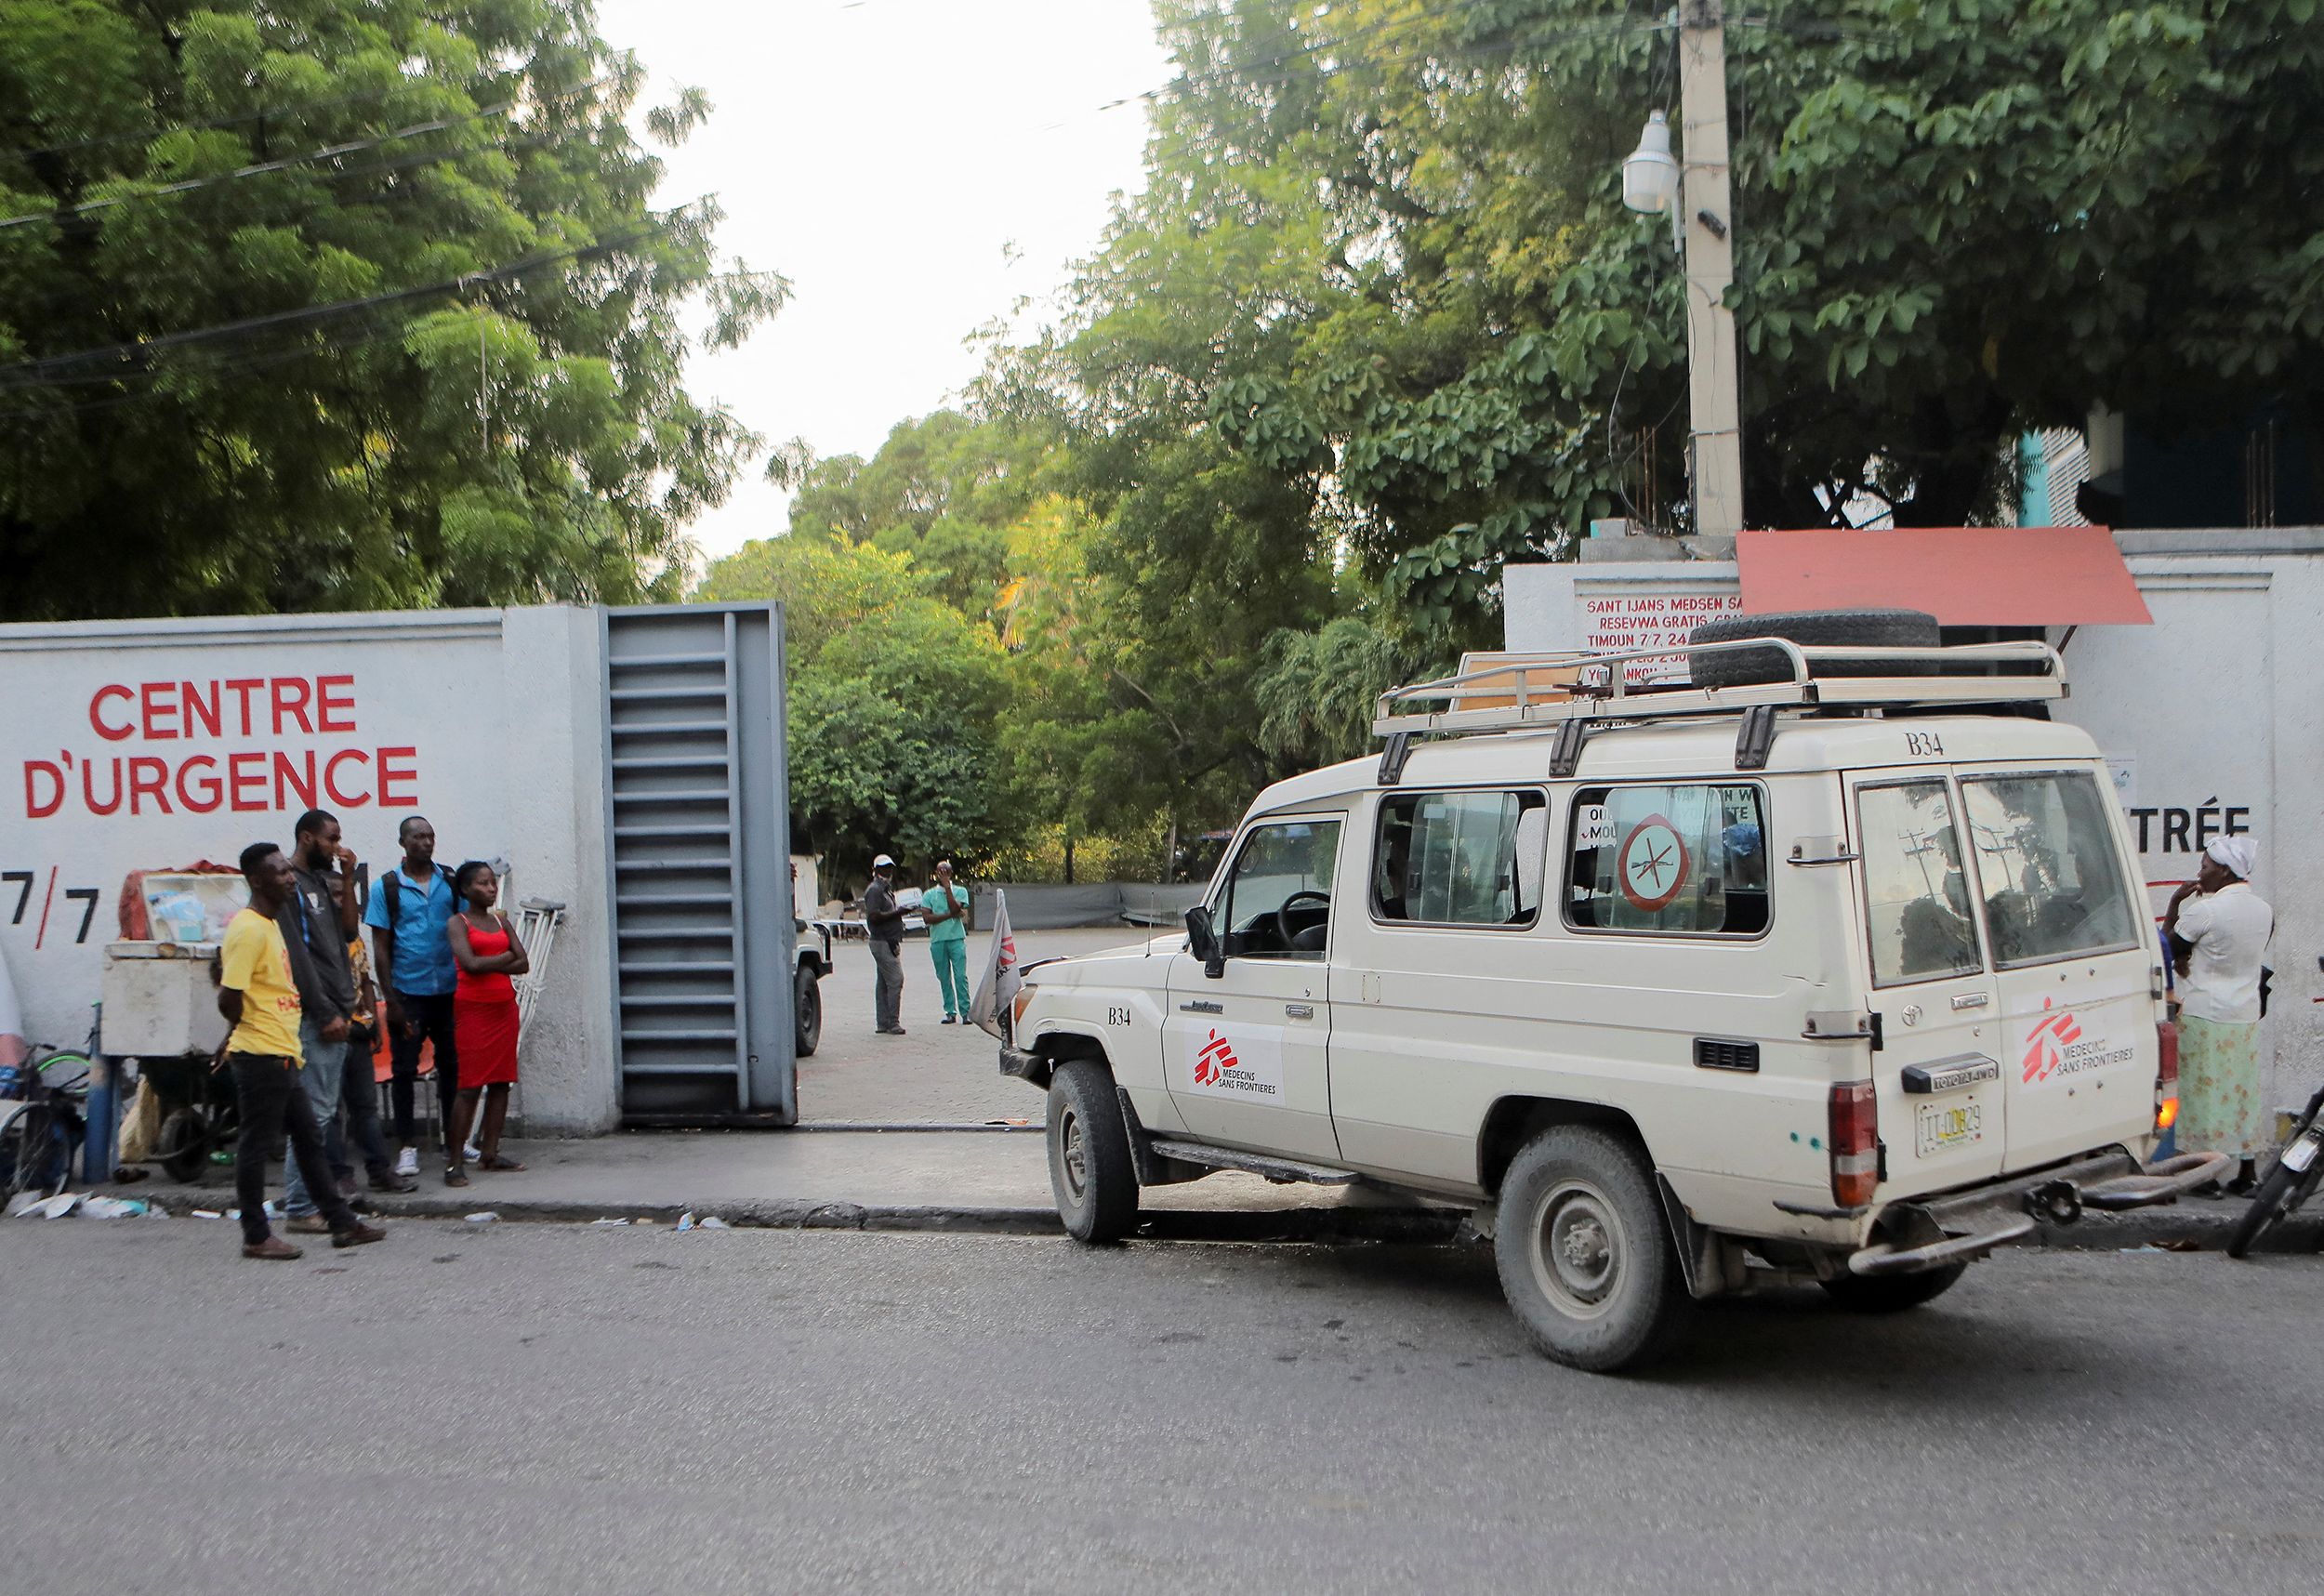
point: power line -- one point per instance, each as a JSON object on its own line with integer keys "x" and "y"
{"x": 42, "y": 371}
{"x": 365, "y": 97}
{"x": 286, "y": 164}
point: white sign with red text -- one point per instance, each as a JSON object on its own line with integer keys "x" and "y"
{"x": 1618, "y": 623}
{"x": 151, "y": 746}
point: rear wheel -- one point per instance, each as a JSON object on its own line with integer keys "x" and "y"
{"x": 183, "y": 1147}
{"x": 1584, "y": 1252}
{"x": 35, "y": 1155}
{"x": 1089, "y": 1168}
{"x": 1893, "y": 1293}
{"x": 806, "y": 1013}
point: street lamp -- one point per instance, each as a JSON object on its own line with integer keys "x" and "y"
{"x": 1650, "y": 178}
{"x": 1698, "y": 202}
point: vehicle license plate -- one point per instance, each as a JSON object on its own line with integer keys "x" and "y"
{"x": 2301, "y": 1154}
{"x": 1942, "y": 1125}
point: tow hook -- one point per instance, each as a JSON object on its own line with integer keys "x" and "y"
{"x": 2060, "y": 1202}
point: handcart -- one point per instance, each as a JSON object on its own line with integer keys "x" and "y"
{"x": 161, "y": 1009}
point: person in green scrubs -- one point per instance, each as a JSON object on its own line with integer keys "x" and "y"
{"x": 945, "y": 908}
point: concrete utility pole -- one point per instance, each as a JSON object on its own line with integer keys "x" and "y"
{"x": 1714, "y": 380}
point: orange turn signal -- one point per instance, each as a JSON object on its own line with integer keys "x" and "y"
{"x": 2166, "y": 1114}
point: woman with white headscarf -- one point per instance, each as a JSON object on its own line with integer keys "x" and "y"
{"x": 2219, "y": 931}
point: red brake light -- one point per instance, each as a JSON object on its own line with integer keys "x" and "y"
{"x": 1855, "y": 1143}
{"x": 2166, "y": 1076}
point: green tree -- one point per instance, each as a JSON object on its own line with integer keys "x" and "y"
{"x": 1380, "y": 254}
{"x": 895, "y": 701}
{"x": 943, "y": 489}
{"x": 319, "y": 305}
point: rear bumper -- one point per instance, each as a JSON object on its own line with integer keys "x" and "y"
{"x": 1930, "y": 1233}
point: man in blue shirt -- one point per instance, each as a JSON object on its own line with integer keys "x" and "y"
{"x": 409, "y": 909}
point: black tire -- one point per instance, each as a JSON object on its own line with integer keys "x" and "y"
{"x": 2268, "y": 1204}
{"x": 184, "y": 1143}
{"x": 1090, "y": 1168}
{"x": 1616, "y": 1297}
{"x": 807, "y": 1013}
{"x": 34, "y": 1157}
{"x": 1893, "y": 1293}
{"x": 1816, "y": 629}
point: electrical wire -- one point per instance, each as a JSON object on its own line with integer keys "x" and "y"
{"x": 50, "y": 371}
{"x": 147, "y": 136}
{"x": 263, "y": 169}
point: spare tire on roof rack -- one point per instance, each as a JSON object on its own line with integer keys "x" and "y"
{"x": 1810, "y": 628}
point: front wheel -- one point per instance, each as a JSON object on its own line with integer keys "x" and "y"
{"x": 1089, "y": 1168}
{"x": 1584, "y": 1252}
{"x": 1892, "y": 1293}
{"x": 2273, "y": 1201}
{"x": 35, "y": 1154}
{"x": 807, "y": 1014}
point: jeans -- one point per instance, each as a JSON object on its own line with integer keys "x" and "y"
{"x": 951, "y": 957}
{"x": 430, "y": 1017}
{"x": 324, "y": 1075}
{"x": 888, "y": 993}
{"x": 359, "y": 1095}
{"x": 272, "y": 1100}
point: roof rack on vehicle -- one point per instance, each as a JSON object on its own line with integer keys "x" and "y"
{"x": 1577, "y": 691}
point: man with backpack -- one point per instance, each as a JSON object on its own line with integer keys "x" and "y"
{"x": 409, "y": 909}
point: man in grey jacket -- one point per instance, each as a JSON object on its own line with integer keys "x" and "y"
{"x": 310, "y": 919}
{"x": 883, "y": 917}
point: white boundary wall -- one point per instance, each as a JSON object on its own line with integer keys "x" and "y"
{"x": 487, "y": 721}
{"x": 2213, "y": 719}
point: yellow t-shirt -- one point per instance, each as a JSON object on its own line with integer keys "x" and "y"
{"x": 257, "y": 964}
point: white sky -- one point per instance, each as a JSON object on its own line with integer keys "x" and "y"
{"x": 886, "y": 155}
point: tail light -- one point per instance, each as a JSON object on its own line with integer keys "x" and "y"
{"x": 1855, "y": 1143}
{"x": 2167, "y": 1075}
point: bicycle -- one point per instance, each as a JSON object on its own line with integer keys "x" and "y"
{"x": 42, "y": 1125}
{"x": 2299, "y": 1165}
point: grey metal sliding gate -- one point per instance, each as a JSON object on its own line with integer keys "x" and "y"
{"x": 699, "y": 832}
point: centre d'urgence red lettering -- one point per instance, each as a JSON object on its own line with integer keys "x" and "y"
{"x": 267, "y": 709}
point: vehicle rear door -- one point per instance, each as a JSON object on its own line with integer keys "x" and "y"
{"x": 1937, "y": 1073}
{"x": 2066, "y": 932}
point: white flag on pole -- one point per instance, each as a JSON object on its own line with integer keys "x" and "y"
{"x": 998, "y": 989}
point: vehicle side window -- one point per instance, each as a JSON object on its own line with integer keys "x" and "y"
{"x": 1916, "y": 898}
{"x": 1460, "y": 858}
{"x": 1681, "y": 860}
{"x": 1277, "y": 902}
{"x": 2054, "y": 884}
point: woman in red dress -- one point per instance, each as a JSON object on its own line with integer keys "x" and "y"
{"x": 483, "y": 1014}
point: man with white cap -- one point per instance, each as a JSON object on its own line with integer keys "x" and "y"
{"x": 2219, "y": 932}
{"x": 883, "y": 917}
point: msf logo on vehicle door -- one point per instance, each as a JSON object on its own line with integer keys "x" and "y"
{"x": 2059, "y": 1046}
{"x": 1249, "y": 1066}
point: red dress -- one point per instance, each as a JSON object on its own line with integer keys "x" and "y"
{"x": 485, "y": 1016}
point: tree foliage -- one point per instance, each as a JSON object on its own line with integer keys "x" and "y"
{"x": 431, "y": 353}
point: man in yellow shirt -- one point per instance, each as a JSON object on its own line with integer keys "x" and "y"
{"x": 259, "y": 999}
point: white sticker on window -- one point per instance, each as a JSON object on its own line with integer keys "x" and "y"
{"x": 1594, "y": 830}
{"x": 1244, "y": 1062}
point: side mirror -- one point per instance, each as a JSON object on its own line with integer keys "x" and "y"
{"x": 1202, "y": 941}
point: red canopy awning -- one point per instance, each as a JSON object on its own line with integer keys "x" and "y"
{"x": 1963, "y": 575}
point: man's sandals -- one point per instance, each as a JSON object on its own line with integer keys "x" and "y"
{"x": 498, "y": 1164}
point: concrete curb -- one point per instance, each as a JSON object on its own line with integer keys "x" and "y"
{"x": 2180, "y": 1230}
{"x": 1414, "y": 1224}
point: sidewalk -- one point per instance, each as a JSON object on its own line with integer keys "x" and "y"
{"x": 998, "y": 1181}
{"x": 856, "y": 1181}
{"x": 936, "y": 1073}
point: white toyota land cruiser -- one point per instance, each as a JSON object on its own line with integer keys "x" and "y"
{"x": 1832, "y": 965}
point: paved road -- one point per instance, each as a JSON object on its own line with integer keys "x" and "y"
{"x": 537, "y": 1408}
{"x": 935, "y": 1071}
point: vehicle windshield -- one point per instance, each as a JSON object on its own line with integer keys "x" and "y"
{"x": 2047, "y": 862}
